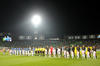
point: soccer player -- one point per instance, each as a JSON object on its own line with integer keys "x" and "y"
{"x": 83, "y": 51}
{"x": 68, "y": 51}
{"x": 29, "y": 51}
{"x": 49, "y": 52}
{"x": 43, "y": 51}
{"x": 58, "y": 52}
{"x": 26, "y": 51}
{"x": 46, "y": 52}
{"x": 54, "y": 52}
{"x": 17, "y": 51}
{"x": 23, "y": 51}
{"x": 78, "y": 51}
{"x": 72, "y": 51}
{"x": 94, "y": 52}
{"x": 88, "y": 52}
{"x": 20, "y": 51}
{"x": 36, "y": 51}
{"x": 61, "y": 51}
{"x": 65, "y": 52}
{"x": 10, "y": 51}
{"x": 33, "y": 52}
{"x": 51, "y": 49}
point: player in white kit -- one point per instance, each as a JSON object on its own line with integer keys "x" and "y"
{"x": 20, "y": 52}
{"x": 10, "y": 51}
{"x": 65, "y": 52}
{"x": 26, "y": 52}
{"x": 46, "y": 52}
{"x": 54, "y": 52}
{"x": 58, "y": 52}
{"x": 72, "y": 51}
{"x": 23, "y": 51}
{"x": 15, "y": 51}
{"x": 29, "y": 51}
{"x": 49, "y": 52}
{"x": 78, "y": 51}
{"x": 68, "y": 51}
{"x": 94, "y": 52}
{"x": 83, "y": 51}
{"x": 88, "y": 52}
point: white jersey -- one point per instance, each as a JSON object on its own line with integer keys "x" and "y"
{"x": 58, "y": 51}
{"x": 54, "y": 51}
{"x": 46, "y": 51}
{"x": 68, "y": 54}
{"x": 49, "y": 51}
{"x": 10, "y": 52}
{"x": 20, "y": 52}
{"x": 15, "y": 52}
{"x": 65, "y": 53}
{"x": 26, "y": 52}
{"x": 23, "y": 52}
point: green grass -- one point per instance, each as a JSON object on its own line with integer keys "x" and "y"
{"x": 6, "y": 60}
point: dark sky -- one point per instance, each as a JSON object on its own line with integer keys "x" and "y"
{"x": 58, "y": 17}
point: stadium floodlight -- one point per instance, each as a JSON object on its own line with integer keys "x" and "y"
{"x": 36, "y": 20}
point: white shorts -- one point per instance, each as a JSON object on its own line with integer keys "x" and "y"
{"x": 58, "y": 52}
{"x": 64, "y": 52}
{"x": 54, "y": 53}
{"x": 72, "y": 53}
{"x": 67, "y": 54}
{"x": 77, "y": 53}
{"x": 88, "y": 54}
{"x": 94, "y": 53}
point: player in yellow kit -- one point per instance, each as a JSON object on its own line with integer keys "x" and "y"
{"x": 36, "y": 51}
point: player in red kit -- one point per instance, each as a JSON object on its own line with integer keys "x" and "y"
{"x": 51, "y": 49}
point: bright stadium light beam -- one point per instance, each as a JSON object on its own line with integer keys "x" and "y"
{"x": 36, "y": 20}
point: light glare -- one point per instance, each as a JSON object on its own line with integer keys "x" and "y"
{"x": 36, "y": 20}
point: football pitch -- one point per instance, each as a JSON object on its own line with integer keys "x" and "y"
{"x": 6, "y": 60}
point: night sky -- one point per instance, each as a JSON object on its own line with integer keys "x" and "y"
{"x": 58, "y": 17}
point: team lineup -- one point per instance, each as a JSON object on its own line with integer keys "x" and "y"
{"x": 66, "y": 51}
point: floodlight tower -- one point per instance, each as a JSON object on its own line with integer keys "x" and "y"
{"x": 36, "y": 21}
